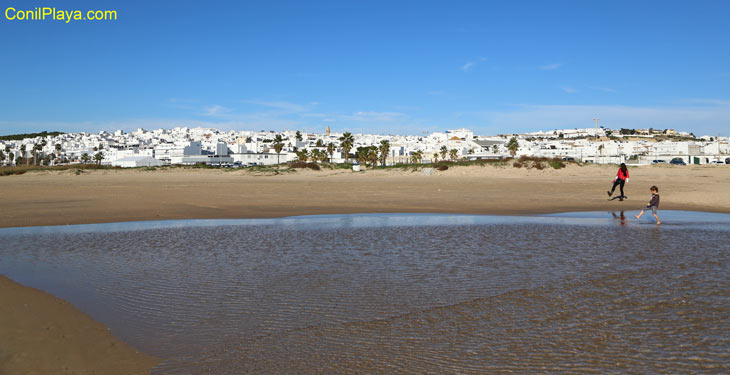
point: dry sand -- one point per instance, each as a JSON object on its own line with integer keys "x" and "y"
{"x": 41, "y": 334}
{"x": 58, "y": 198}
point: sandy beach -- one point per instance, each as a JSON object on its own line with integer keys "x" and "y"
{"x": 42, "y": 334}
{"x": 61, "y": 198}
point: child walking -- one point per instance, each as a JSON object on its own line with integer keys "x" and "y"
{"x": 653, "y": 204}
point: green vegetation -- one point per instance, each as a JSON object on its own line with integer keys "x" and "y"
{"x": 20, "y": 137}
{"x": 267, "y": 169}
{"x": 346, "y": 142}
{"x": 299, "y": 164}
{"x": 22, "y": 169}
{"x": 513, "y": 146}
{"x": 556, "y": 164}
{"x": 331, "y": 150}
{"x": 444, "y": 164}
{"x": 278, "y": 146}
{"x": 538, "y": 163}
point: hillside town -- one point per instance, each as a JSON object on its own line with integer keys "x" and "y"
{"x": 198, "y": 145}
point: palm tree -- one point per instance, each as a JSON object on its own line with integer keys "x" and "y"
{"x": 40, "y": 150}
{"x": 320, "y": 143}
{"x": 2, "y": 157}
{"x": 384, "y": 150}
{"x": 362, "y": 155}
{"x": 315, "y": 155}
{"x": 298, "y": 136}
{"x": 98, "y": 157}
{"x": 331, "y": 150}
{"x": 11, "y": 157}
{"x": 58, "y": 148}
{"x": 278, "y": 146}
{"x": 85, "y": 158}
{"x": 22, "y": 153}
{"x": 346, "y": 142}
{"x": 417, "y": 157}
{"x": 435, "y": 157}
{"x": 34, "y": 152}
{"x": 444, "y": 151}
{"x": 303, "y": 155}
{"x": 513, "y": 145}
{"x": 452, "y": 153}
{"x": 372, "y": 155}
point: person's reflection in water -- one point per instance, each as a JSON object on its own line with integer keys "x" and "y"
{"x": 620, "y": 217}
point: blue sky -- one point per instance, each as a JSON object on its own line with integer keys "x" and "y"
{"x": 393, "y": 67}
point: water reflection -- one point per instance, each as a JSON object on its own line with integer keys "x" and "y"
{"x": 620, "y": 217}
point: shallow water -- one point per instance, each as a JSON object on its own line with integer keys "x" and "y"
{"x": 403, "y": 293}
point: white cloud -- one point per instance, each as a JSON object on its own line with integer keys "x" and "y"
{"x": 215, "y": 110}
{"x": 705, "y": 119}
{"x": 569, "y": 90}
{"x": 472, "y": 63}
{"x": 604, "y": 89}
{"x": 373, "y": 116}
{"x": 467, "y": 66}
{"x": 283, "y": 105}
{"x": 713, "y": 102}
{"x": 551, "y": 66}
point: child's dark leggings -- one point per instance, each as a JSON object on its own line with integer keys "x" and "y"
{"x": 618, "y": 182}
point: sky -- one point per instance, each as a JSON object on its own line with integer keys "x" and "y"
{"x": 387, "y": 67}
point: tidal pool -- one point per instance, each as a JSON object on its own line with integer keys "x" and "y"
{"x": 398, "y": 293}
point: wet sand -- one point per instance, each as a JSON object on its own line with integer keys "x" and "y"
{"x": 59, "y": 198}
{"x": 41, "y": 334}
{"x": 51, "y": 337}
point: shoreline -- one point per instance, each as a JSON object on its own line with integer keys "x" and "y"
{"x": 43, "y": 334}
{"x": 304, "y": 215}
{"x": 107, "y": 196}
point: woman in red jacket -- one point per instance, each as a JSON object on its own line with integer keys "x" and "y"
{"x": 622, "y": 177}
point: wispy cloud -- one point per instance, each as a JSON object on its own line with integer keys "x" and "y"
{"x": 215, "y": 110}
{"x": 599, "y": 88}
{"x": 373, "y": 116}
{"x": 467, "y": 66}
{"x": 283, "y": 105}
{"x": 569, "y": 90}
{"x": 552, "y": 66}
{"x": 705, "y": 101}
{"x": 700, "y": 119}
{"x": 472, "y": 63}
{"x": 701, "y": 116}
{"x": 183, "y": 100}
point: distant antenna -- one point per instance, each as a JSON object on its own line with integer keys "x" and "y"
{"x": 596, "y": 120}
